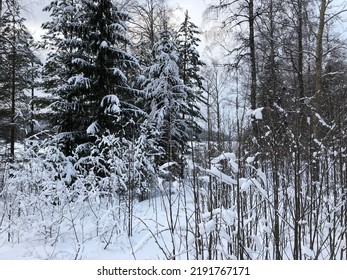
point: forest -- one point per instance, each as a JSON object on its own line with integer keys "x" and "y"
{"x": 126, "y": 133}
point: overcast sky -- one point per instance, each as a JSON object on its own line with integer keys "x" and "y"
{"x": 35, "y": 16}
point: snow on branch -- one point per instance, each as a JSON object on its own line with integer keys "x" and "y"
{"x": 111, "y": 104}
{"x": 256, "y": 114}
{"x": 231, "y": 157}
{"x": 221, "y": 176}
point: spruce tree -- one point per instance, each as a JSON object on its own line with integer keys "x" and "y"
{"x": 113, "y": 116}
{"x": 87, "y": 70}
{"x": 65, "y": 72}
{"x": 166, "y": 97}
{"x": 189, "y": 68}
{"x": 17, "y": 60}
{"x": 111, "y": 96}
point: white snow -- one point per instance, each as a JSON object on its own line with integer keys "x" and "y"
{"x": 166, "y": 165}
{"x": 208, "y": 227}
{"x": 93, "y": 128}
{"x": 221, "y": 176}
{"x": 111, "y": 104}
{"x": 250, "y": 160}
{"x": 257, "y": 113}
{"x": 59, "y": 222}
{"x": 103, "y": 45}
{"x": 231, "y": 157}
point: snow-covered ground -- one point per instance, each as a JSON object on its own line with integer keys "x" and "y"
{"x": 212, "y": 215}
{"x": 150, "y": 239}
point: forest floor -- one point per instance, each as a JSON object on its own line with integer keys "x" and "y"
{"x": 151, "y": 236}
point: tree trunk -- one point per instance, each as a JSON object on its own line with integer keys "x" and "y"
{"x": 251, "y": 46}
{"x": 13, "y": 97}
{"x": 252, "y": 55}
{"x": 318, "y": 87}
{"x": 319, "y": 55}
{"x": 299, "y": 119}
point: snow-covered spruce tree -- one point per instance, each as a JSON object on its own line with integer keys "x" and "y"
{"x": 166, "y": 97}
{"x": 65, "y": 72}
{"x": 17, "y": 60}
{"x": 118, "y": 153}
{"x": 90, "y": 72}
{"x": 91, "y": 77}
{"x": 86, "y": 70}
{"x": 111, "y": 97}
{"x": 189, "y": 67}
{"x": 166, "y": 104}
{"x": 111, "y": 67}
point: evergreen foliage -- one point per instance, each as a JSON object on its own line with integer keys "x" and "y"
{"x": 18, "y": 70}
{"x": 111, "y": 66}
{"x": 189, "y": 67}
{"x": 166, "y": 97}
{"x": 65, "y": 72}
